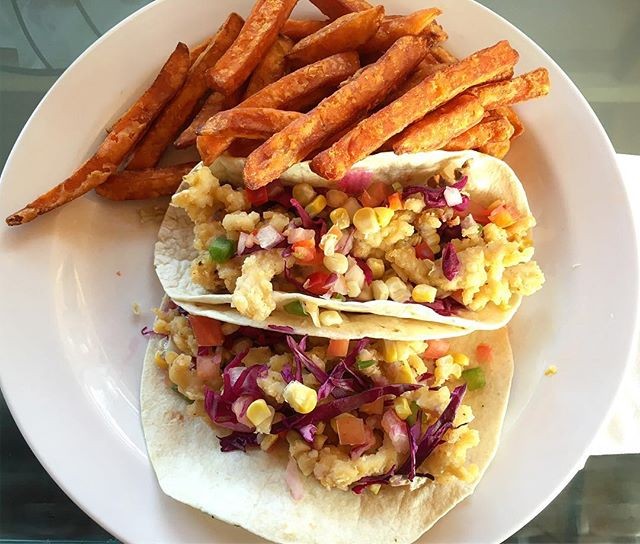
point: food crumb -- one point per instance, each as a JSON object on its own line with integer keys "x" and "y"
{"x": 151, "y": 213}
{"x": 135, "y": 308}
{"x": 576, "y": 265}
{"x": 118, "y": 273}
{"x": 551, "y": 370}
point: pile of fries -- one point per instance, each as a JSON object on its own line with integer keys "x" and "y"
{"x": 278, "y": 91}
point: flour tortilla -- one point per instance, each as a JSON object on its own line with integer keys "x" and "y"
{"x": 249, "y": 490}
{"x": 489, "y": 179}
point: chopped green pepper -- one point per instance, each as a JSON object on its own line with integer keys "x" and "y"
{"x": 338, "y": 296}
{"x": 414, "y": 412}
{"x": 474, "y": 377}
{"x": 365, "y": 364}
{"x": 296, "y": 308}
{"x": 222, "y": 249}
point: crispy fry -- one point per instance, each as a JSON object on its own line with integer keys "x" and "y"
{"x": 491, "y": 129}
{"x": 271, "y": 68}
{"x": 310, "y": 100}
{"x": 334, "y": 113}
{"x": 443, "y": 55}
{"x": 496, "y": 149}
{"x": 337, "y": 8}
{"x": 196, "y": 50}
{"x": 296, "y": 29}
{"x": 521, "y": 88}
{"x": 423, "y": 70}
{"x": 121, "y": 139}
{"x": 435, "y": 33}
{"x": 252, "y": 123}
{"x": 393, "y": 28}
{"x": 346, "y": 33}
{"x": 182, "y": 106}
{"x": 243, "y": 148}
{"x": 433, "y": 91}
{"x": 212, "y": 105}
{"x": 258, "y": 34}
{"x": 302, "y": 82}
{"x": 144, "y": 184}
{"x": 512, "y": 117}
{"x": 438, "y": 127}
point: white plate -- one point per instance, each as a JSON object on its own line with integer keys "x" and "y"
{"x": 71, "y": 348}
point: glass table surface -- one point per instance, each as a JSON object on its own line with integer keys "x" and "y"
{"x": 596, "y": 42}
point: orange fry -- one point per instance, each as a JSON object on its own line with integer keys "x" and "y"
{"x": 182, "y": 106}
{"x": 512, "y": 117}
{"x": 296, "y": 29}
{"x": 491, "y": 129}
{"x": 393, "y": 28}
{"x": 301, "y": 83}
{"x": 436, "y": 33}
{"x": 423, "y": 70}
{"x": 346, "y": 33}
{"x": 144, "y": 184}
{"x": 213, "y": 104}
{"x": 525, "y": 87}
{"x": 496, "y": 149}
{"x": 362, "y": 93}
{"x": 438, "y": 127}
{"x": 196, "y": 50}
{"x": 258, "y": 34}
{"x": 337, "y": 8}
{"x": 243, "y": 148}
{"x": 309, "y": 100}
{"x": 443, "y": 55}
{"x": 121, "y": 139}
{"x": 271, "y": 68}
{"x": 433, "y": 91}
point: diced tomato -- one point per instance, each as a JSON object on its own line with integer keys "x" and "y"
{"x": 374, "y": 408}
{"x": 503, "y": 216}
{"x": 316, "y": 283}
{"x": 484, "y": 353}
{"x": 337, "y": 348}
{"x": 395, "y": 201}
{"x": 208, "y": 331}
{"x": 257, "y": 197}
{"x": 304, "y": 250}
{"x": 374, "y": 195}
{"x": 423, "y": 251}
{"x": 435, "y": 349}
{"x": 351, "y": 430}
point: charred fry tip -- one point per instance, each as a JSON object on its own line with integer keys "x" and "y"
{"x": 25, "y": 215}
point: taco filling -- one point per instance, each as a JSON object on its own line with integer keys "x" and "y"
{"x": 353, "y": 415}
{"x": 428, "y": 244}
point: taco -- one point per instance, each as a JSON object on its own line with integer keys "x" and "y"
{"x": 440, "y": 237}
{"x": 303, "y": 439}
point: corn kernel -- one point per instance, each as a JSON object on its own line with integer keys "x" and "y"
{"x": 318, "y": 204}
{"x": 460, "y": 359}
{"x": 268, "y": 441}
{"x": 379, "y": 290}
{"x": 417, "y": 364}
{"x": 340, "y": 218}
{"x": 376, "y": 266}
{"x": 403, "y": 373}
{"x": 383, "y": 215}
{"x": 398, "y": 291}
{"x": 354, "y": 289}
{"x": 330, "y": 318}
{"x": 260, "y": 413}
{"x": 424, "y": 293}
{"x": 336, "y": 198}
{"x": 301, "y": 398}
{"x": 404, "y": 350}
{"x": 375, "y": 488}
{"x": 352, "y": 206}
{"x": 365, "y": 221}
{"x": 365, "y": 294}
{"x": 402, "y": 407}
{"x": 337, "y": 263}
{"x": 303, "y": 193}
{"x": 389, "y": 351}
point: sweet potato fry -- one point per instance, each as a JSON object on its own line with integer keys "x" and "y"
{"x": 525, "y": 87}
{"x": 346, "y": 33}
{"x": 423, "y": 70}
{"x": 302, "y": 82}
{"x": 271, "y": 68}
{"x": 443, "y": 55}
{"x": 258, "y": 34}
{"x": 491, "y": 129}
{"x": 496, "y": 149}
{"x": 393, "y": 28}
{"x": 196, "y": 50}
{"x": 144, "y": 184}
{"x": 182, "y": 106}
{"x": 512, "y": 117}
{"x": 251, "y": 123}
{"x": 337, "y": 8}
{"x": 433, "y": 91}
{"x": 436, "y": 33}
{"x": 334, "y": 113}
{"x": 296, "y": 29}
{"x": 212, "y": 105}
{"x": 243, "y": 148}
{"x": 310, "y": 100}
{"x": 438, "y": 127}
{"x": 121, "y": 139}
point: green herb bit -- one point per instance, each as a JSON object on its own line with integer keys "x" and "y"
{"x": 365, "y": 364}
{"x": 474, "y": 377}
{"x": 296, "y": 308}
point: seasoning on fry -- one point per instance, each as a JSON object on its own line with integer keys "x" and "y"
{"x": 271, "y": 68}
{"x": 296, "y": 29}
{"x": 393, "y": 28}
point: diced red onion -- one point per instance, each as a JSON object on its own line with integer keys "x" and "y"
{"x": 450, "y": 262}
{"x": 299, "y": 234}
{"x": 345, "y": 244}
{"x": 356, "y": 181}
{"x": 292, "y": 477}
{"x": 268, "y": 237}
{"x": 452, "y": 196}
{"x": 397, "y": 431}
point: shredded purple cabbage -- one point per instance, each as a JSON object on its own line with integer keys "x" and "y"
{"x": 282, "y": 328}
{"x": 318, "y": 224}
{"x": 450, "y": 262}
{"x": 238, "y": 441}
{"x": 288, "y": 275}
{"x": 363, "y": 483}
{"x": 276, "y": 192}
{"x": 444, "y": 306}
{"x": 146, "y": 331}
{"x": 448, "y": 233}
{"x": 368, "y": 274}
{"x": 219, "y": 411}
{"x": 286, "y": 374}
{"x": 308, "y": 432}
{"x": 356, "y": 181}
{"x": 302, "y": 359}
{"x": 434, "y": 196}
